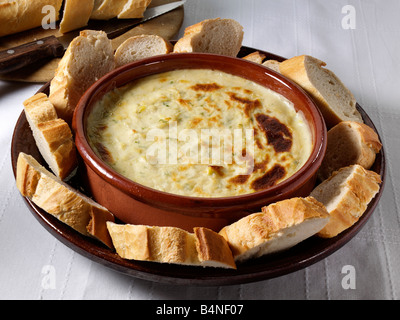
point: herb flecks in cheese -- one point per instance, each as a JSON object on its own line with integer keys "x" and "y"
{"x": 200, "y": 133}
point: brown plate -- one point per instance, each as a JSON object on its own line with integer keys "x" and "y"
{"x": 300, "y": 256}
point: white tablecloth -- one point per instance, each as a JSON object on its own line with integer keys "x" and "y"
{"x": 361, "y": 43}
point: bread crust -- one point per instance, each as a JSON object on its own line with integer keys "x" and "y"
{"x": 172, "y": 245}
{"x": 21, "y": 15}
{"x": 256, "y": 57}
{"x": 346, "y": 195}
{"x": 108, "y": 9}
{"x": 250, "y": 236}
{"x": 134, "y": 9}
{"x": 52, "y": 135}
{"x": 40, "y": 108}
{"x": 60, "y": 200}
{"x": 123, "y": 9}
{"x": 272, "y": 64}
{"x": 349, "y": 143}
{"x": 213, "y": 247}
{"x": 76, "y": 14}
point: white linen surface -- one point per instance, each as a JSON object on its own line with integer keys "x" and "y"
{"x": 366, "y": 58}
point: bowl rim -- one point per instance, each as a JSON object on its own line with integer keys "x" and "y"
{"x": 139, "y": 191}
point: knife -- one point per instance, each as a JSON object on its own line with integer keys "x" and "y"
{"x": 51, "y": 47}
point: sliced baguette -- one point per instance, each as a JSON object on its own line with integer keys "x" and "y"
{"x": 172, "y": 245}
{"x": 255, "y": 56}
{"x": 140, "y": 47}
{"x": 218, "y": 36}
{"x": 334, "y": 100}
{"x": 133, "y": 9}
{"x": 346, "y": 195}
{"x": 52, "y": 135}
{"x": 349, "y": 143}
{"x": 88, "y": 57}
{"x": 278, "y": 227}
{"x": 62, "y": 201}
{"x": 76, "y": 14}
{"x": 272, "y": 64}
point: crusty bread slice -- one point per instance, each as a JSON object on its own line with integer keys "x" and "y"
{"x": 76, "y": 14}
{"x": 278, "y": 227}
{"x": 346, "y": 195}
{"x": 255, "y": 56}
{"x": 140, "y": 47}
{"x": 272, "y": 64}
{"x": 88, "y": 57}
{"x": 218, "y": 36}
{"x": 134, "y": 9}
{"x": 349, "y": 143}
{"x": 52, "y": 135}
{"x": 204, "y": 247}
{"x": 62, "y": 201}
{"x": 335, "y": 101}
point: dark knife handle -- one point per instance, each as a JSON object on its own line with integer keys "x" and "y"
{"x": 26, "y": 54}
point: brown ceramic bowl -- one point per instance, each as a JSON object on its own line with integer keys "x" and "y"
{"x": 137, "y": 204}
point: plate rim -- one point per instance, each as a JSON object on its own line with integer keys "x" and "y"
{"x": 251, "y": 271}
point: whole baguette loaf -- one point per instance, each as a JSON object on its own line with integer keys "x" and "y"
{"x": 88, "y": 57}
{"x": 204, "y": 247}
{"x": 76, "y": 14}
{"x": 349, "y": 143}
{"x": 218, "y": 36}
{"x": 140, "y": 47}
{"x": 62, "y": 201}
{"x": 334, "y": 100}
{"x": 278, "y": 227}
{"x": 52, "y": 135}
{"x": 21, "y": 15}
{"x": 346, "y": 195}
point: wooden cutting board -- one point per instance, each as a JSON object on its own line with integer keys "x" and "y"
{"x": 167, "y": 26}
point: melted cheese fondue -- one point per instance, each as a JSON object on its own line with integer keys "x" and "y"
{"x": 200, "y": 133}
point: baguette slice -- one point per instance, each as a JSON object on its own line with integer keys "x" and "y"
{"x": 272, "y": 64}
{"x": 21, "y": 15}
{"x": 62, "y": 201}
{"x": 349, "y": 143}
{"x": 278, "y": 227}
{"x": 334, "y": 100}
{"x": 204, "y": 247}
{"x": 88, "y": 57}
{"x": 218, "y": 36}
{"x": 346, "y": 195}
{"x": 256, "y": 57}
{"x": 134, "y": 9}
{"x": 76, "y": 14}
{"x": 52, "y": 135}
{"x": 140, "y": 47}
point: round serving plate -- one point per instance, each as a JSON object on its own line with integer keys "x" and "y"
{"x": 298, "y": 257}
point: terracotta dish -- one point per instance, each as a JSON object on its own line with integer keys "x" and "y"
{"x": 134, "y": 203}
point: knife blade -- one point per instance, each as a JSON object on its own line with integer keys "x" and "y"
{"x": 52, "y": 47}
